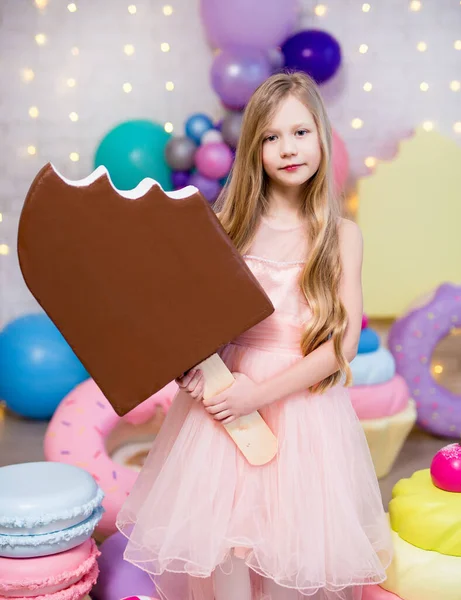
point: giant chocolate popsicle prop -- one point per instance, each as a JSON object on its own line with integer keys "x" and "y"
{"x": 143, "y": 285}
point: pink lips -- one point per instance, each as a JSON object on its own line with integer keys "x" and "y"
{"x": 291, "y": 167}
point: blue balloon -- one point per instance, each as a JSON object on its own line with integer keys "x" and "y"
{"x": 369, "y": 341}
{"x": 315, "y": 52}
{"x": 197, "y": 125}
{"x": 37, "y": 367}
{"x": 134, "y": 150}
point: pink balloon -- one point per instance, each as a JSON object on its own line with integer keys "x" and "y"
{"x": 340, "y": 163}
{"x": 214, "y": 160}
{"x": 364, "y": 321}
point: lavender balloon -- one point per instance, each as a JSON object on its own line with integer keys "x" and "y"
{"x": 214, "y": 160}
{"x": 236, "y": 73}
{"x": 119, "y": 578}
{"x": 210, "y": 188}
{"x": 315, "y": 52}
{"x": 257, "y": 24}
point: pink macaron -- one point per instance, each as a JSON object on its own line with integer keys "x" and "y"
{"x": 68, "y": 575}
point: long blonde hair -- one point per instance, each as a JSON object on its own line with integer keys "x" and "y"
{"x": 244, "y": 200}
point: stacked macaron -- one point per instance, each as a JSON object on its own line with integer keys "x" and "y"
{"x": 48, "y": 512}
{"x": 425, "y": 516}
{"x": 381, "y": 400}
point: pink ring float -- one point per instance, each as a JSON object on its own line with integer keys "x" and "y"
{"x": 381, "y": 400}
{"x": 77, "y": 435}
{"x": 412, "y": 340}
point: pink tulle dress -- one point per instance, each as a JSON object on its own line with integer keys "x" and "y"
{"x": 312, "y": 520}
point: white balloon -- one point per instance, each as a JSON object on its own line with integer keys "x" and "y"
{"x": 211, "y": 136}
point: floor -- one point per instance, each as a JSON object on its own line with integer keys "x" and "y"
{"x": 22, "y": 440}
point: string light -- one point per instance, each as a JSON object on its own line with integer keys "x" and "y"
{"x": 165, "y": 47}
{"x": 422, "y": 46}
{"x": 457, "y": 45}
{"x": 1, "y": 218}
{"x": 128, "y": 49}
{"x": 438, "y": 369}
{"x": 357, "y": 123}
{"x": 320, "y": 10}
{"x": 366, "y": 8}
{"x": 169, "y": 127}
{"x": 370, "y": 162}
{"x": 75, "y": 51}
{"x": 132, "y": 9}
{"x": 73, "y": 116}
{"x": 71, "y": 82}
{"x": 367, "y": 86}
{"x": 457, "y": 127}
{"x": 41, "y": 3}
{"x": 363, "y": 48}
{"x": 40, "y": 38}
{"x": 27, "y": 75}
{"x": 4, "y": 249}
{"x": 424, "y": 86}
{"x": 72, "y": 7}
{"x": 127, "y": 88}
{"x": 167, "y": 10}
{"x": 428, "y": 125}
{"x": 31, "y": 150}
{"x": 415, "y": 5}
{"x": 455, "y": 86}
{"x": 33, "y": 112}
{"x": 169, "y": 86}
{"x": 74, "y": 156}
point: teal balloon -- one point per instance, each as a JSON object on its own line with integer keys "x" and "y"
{"x": 134, "y": 150}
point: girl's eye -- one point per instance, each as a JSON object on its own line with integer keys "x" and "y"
{"x": 302, "y": 132}
{"x": 270, "y": 138}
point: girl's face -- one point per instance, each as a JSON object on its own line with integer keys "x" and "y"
{"x": 291, "y": 150}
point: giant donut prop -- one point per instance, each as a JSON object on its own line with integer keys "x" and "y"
{"x": 85, "y": 428}
{"x": 412, "y": 340}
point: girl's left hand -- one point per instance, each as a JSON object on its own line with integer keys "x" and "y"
{"x": 240, "y": 399}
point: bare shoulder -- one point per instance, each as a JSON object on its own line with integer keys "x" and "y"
{"x": 349, "y": 233}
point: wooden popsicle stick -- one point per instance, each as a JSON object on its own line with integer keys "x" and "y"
{"x": 250, "y": 433}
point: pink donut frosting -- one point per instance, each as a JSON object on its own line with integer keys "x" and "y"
{"x": 68, "y": 575}
{"x": 446, "y": 468}
{"x": 376, "y": 592}
{"x": 76, "y": 436}
{"x": 382, "y": 400}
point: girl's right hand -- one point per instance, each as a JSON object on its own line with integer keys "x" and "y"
{"x": 193, "y": 383}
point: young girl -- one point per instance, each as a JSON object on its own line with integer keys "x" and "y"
{"x": 200, "y": 519}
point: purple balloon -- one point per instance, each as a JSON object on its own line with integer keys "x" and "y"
{"x": 180, "y": 179}
{"x": 210, "y": 188}
{"x": 257, "y": 24}
{"x": 236, "y": 73}
{"x": 315, "y": 52}
{"x": 117, "y": 577}
{"x": 214, "y": 160}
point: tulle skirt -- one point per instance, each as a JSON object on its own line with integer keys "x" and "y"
{"x": 311, "y": 520}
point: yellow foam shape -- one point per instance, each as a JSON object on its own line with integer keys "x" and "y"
{"x": 417, "y": 574}
{"x": 409, "y": 212}
{"x": 426, "y": 516}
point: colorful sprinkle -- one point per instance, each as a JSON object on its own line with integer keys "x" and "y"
{"x": 66, "y": 423}
{"x": 81, "y": 430}
{"x": 435, "y": 405}
{"x": 113, "y": 489}
{"x": 100, "y": 404}
{"x": 114, "y": 474}
{"x": 97, "y": 454}
{"x": 95, "y": 477}
{"x": 417, "y": 379}
{"x": 398, "y": 348}
{"x": 65, "y": 452}
{"x": 423, "y": 359}
{"x": 82, "y": 465}
{"x": 435, "y": 415}
{"x": 416, "y": 392}
{"x": 98, "y": 430}
{"x": 70, "y": 402}
{"x": 80, "y": 410}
